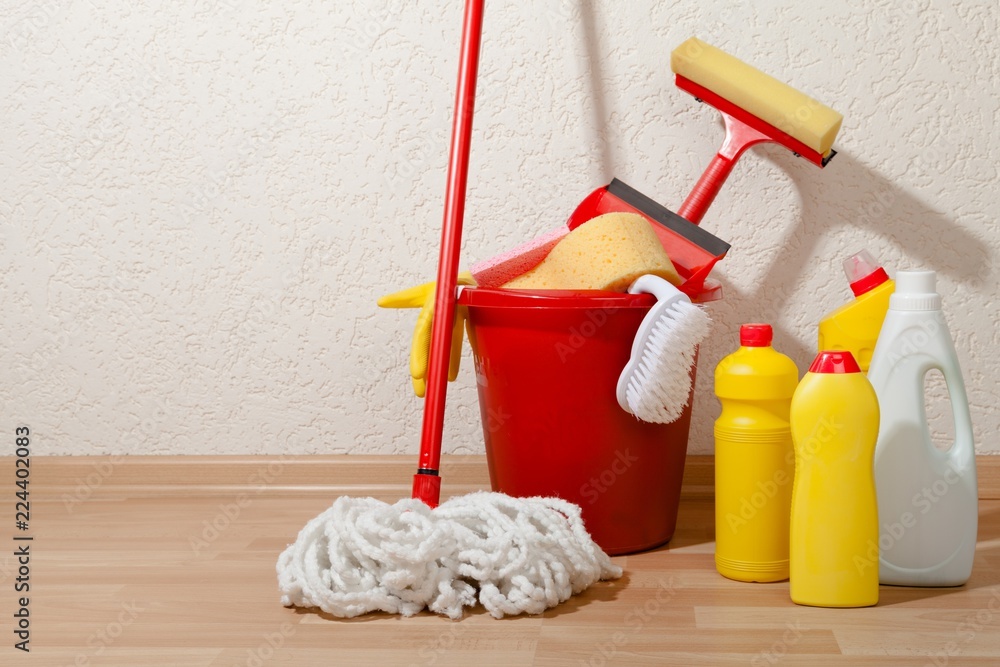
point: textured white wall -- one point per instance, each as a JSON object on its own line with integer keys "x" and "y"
{"x": 201, "y": 202}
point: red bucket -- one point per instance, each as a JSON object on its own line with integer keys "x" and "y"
{"x": 547, "y": 364}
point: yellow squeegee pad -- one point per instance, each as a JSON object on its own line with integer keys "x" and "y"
{"x": 774, "y": 102}
{"x": 606, "y": 253}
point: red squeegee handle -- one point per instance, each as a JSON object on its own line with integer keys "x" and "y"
{"x": 743, "y": 130}
{"x": 427, "y": 482}
{"x": 739, "y": 137}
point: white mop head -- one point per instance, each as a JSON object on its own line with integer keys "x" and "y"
{"x": 513, "y": 555}
{"x": 656, "y": 383}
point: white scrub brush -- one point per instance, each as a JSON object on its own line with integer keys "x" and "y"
{"x": 656, "y": 382}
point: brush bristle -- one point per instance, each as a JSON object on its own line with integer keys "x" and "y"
{"x": 660, "y": 385}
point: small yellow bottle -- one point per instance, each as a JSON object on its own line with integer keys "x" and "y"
{"x": 834, "y": 532}
{"x": 754, "y": 460}
{"x": 855, "y": 326}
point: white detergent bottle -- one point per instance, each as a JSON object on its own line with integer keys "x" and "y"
{"x": 927, "y": 498}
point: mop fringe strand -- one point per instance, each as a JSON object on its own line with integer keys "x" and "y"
{"x": 512, "y": 555}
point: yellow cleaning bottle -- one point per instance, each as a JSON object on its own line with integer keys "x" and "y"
{"x": 855, "y": 326}
{"x": 754, "y": 460}
{"x": 834, "y": 535}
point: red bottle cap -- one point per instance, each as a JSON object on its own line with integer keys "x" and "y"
{"x": 756, "y": 335}
{"x": 863, "y": 272}
{"x": 869, "y": 282}
{"x": 835, "y": 361}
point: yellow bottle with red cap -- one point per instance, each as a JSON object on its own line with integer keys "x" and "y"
{"x": 754, "y": 461}
{"x": 834, "y": 557}
{"x": 855, "y": 326}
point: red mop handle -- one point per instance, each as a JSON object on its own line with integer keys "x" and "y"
{"x": 427, "y": 482}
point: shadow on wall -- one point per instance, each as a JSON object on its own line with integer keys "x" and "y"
{"x": 598, "y": 103}
{"x": 874, "y": 204}
{"x": 868, "y": 200}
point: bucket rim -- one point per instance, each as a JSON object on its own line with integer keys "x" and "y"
{"x": 492, "y": 297}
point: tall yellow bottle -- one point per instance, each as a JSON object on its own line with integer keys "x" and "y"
{"x": 834, "y": 535}
{"x": 855, "y": 326}
{"x": 754, "y": 460}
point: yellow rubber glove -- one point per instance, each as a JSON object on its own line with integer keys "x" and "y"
{"x": 422, "y": 297}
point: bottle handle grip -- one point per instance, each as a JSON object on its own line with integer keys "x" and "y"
{"x": 964, "y": 439}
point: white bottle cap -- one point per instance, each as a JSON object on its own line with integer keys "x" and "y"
{"x": 915, "y": 290}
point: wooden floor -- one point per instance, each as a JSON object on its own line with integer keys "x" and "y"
{"x": 151, "y": 561}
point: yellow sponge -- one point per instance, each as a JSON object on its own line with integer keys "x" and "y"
{"x": 607, "y": 253}
{"x": 774, "y": 102}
